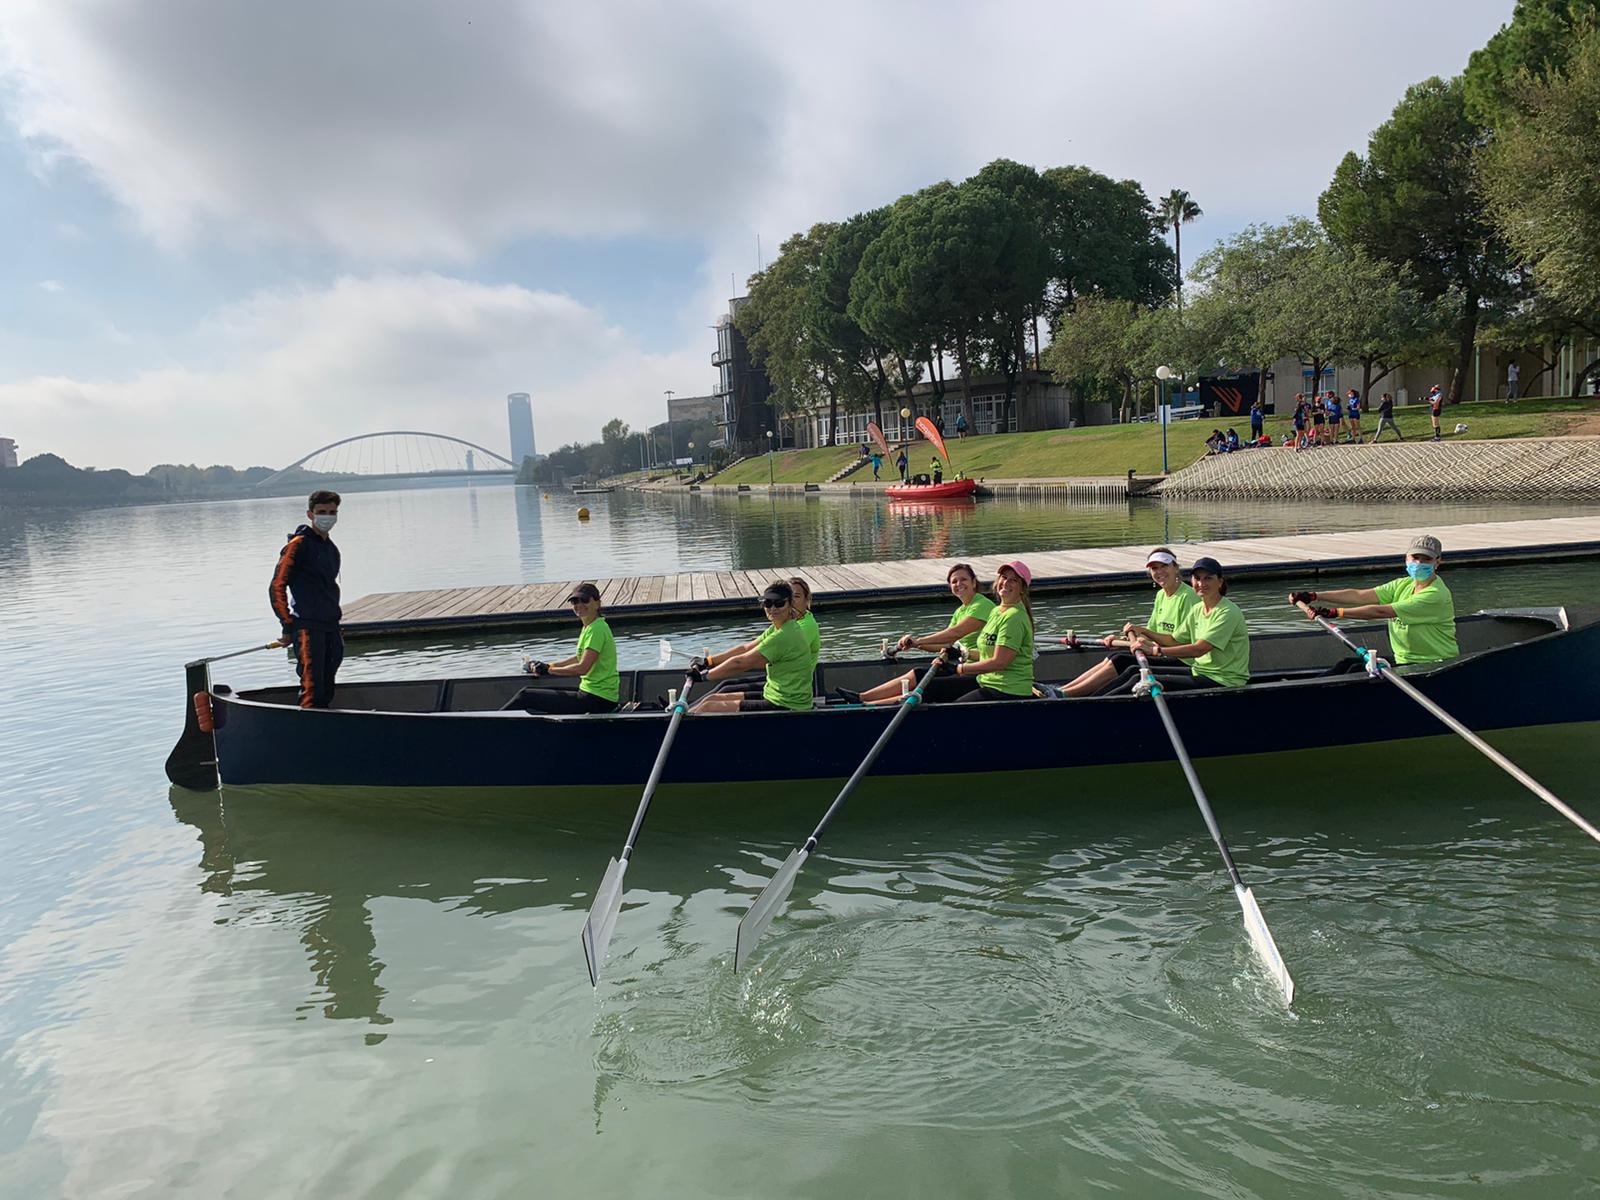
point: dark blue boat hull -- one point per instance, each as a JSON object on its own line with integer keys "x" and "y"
{"x": 1547, "y": 680}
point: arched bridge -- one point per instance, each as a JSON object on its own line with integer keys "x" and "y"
{"x": 397, "y": 454}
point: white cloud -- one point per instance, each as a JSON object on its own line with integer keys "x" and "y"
{"x": 51, "y": 285}
{"x": 397, "y": 129}
{"x": 289, "y": 370}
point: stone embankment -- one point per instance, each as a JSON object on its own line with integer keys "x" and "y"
{"x": 1514, "y": 469}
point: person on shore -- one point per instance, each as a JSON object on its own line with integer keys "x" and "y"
{"x": 1513, "y": 373}
{"x": 1435, "y": 407}
{"x": 782, "y": 651}
{"x": 594, "y": 663}
{"x": 1168, "y": 615}
{"x": 938, "y": 423}
{"x": 1386, "y": 419}
{"x": 304, "y": 594}
{"x": 1233, "y": 440}
{"x": 966, "y": 623}
{"x": 1258, "y": 417}
{"x": 877, "y": 462}
{"x": 1299, "y": 421}
{"x": 902, "y": 464}
{"x": 1352, "y": 403}
{"x": 1335, "y": 412}
{"x": 1419, "y": 608}
{"x": 961, "y": 425}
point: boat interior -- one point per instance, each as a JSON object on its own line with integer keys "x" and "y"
{"x": 1274, "y": 657}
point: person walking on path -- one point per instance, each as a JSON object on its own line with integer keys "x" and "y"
{"x": 1353, "y": 410}
{"x": 938, "y": 423}
{"x": 304, "y": 594}
{"x": 1386, "y": 419}
{"x": 1258, "y": 415}
{"x": 1435, "y": 407}
{"x": 877, "y": 461}
{"x": 1513, "y": 372}
{"x": 961, "y": 425}
{"x": 902, "y": 463}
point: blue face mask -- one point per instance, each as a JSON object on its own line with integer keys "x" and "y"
{"x": 1421, "y": 572}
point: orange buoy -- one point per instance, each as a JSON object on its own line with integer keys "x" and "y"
{"x": 583, "y": 514}
{"x": 202, "y": 712}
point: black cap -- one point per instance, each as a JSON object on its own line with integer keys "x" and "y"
{"x": 1209, "y": 565}
{"x": 584, "y": 591}
{"x": 779, "y": 591}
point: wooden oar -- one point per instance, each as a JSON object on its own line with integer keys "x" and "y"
{"x": 772, "y": 896}
{"x": 1377, "y": 666}
{"x": 608, "y": 897}
{"x": 1254, "y": 923}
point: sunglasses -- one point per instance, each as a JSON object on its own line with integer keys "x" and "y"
{"x": 579, "y": 600}
{"x": 765, "y": 603}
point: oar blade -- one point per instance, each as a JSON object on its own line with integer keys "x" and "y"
{"x": 1261, "y": 938}
{"x": 664, "y": 652}
{"x": 603, "y": 919}
{"x": 766, "y": 907}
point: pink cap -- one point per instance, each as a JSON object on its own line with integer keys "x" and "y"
{"x": 1021, "y": 568}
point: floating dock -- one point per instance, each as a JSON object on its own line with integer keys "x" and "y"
{"x": 1301, "y": 557}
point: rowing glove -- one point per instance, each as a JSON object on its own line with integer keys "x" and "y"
{"x": 1326, "y": 613}
{"x": 1302, "y": 597}
{"x": 697, "y": 671}
{"x": 287, "y": 636}
{"x": 700, "y": 663}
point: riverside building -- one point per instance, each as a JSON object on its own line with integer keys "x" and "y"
{"x": 519, "y": 412}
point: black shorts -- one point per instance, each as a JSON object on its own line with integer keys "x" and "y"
{"x": 980, "y": 694}
{"x": 559, "y": 701}
{"x": 756, "y": 702}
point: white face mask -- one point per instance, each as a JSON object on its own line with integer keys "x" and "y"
{"x": 323, "y": 522}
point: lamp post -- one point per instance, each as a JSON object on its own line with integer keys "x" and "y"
{"x": 770, "y": 483}
{"x": 1163, "y": 410}
{"x": 641, "y": 452}
{"x": 905, "y": 415}
{"x": 691, "y": 458}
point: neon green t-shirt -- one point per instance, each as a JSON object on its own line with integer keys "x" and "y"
{"x": 789, "y": 665}
{"x": 1168, "y": 612}
{"x": 808, "y": 626}
{"x": 602, "y": 678}
{"x": 1423, "y": 628}
{"x": 980, "y": 608}
{"x": 1228, "y": 660}
{"x": 1008, "y": 627}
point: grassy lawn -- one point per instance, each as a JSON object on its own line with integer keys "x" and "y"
{"x": 1113, "y": 449}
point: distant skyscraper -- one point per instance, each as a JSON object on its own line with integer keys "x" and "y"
{"x": 8, "y": 453}
{"x": 519, "y": 411}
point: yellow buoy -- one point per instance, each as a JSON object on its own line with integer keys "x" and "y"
{"x": 547, "y": 495}
{"x": 583, "y": 514}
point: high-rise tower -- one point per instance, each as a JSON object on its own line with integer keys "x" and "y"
{"x": 519, "y": 412}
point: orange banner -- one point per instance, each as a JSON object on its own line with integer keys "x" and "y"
{"x": 931, "y": 432}
{"x": 876, "y": 435}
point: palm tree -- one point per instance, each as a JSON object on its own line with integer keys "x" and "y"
{"x": 1177, "y": 210}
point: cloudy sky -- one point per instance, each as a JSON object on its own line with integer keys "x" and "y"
{"x": 235, "y": 230}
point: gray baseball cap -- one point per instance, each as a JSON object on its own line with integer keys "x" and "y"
{"x": 1426, "y": 543}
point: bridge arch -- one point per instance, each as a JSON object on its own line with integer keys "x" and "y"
{"x": 384, "y": 433}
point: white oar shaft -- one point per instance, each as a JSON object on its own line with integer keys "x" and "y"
{"x": 1472, "y": 739}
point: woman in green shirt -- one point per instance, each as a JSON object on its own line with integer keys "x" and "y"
{"x": 1174, "y": 599}
{"x": 1213, "y": 639}
{"x": 782, "y": 651}
{"x": 595, "y": 665}
{"x": 966, "y": 623}
{"x": 806, "y": 619}
{"x": 1419, "y": 608}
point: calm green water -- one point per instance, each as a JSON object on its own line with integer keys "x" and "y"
{"x": 989, "y": 989}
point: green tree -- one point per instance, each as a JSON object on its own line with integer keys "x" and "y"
{"x": 1091, "y": 348}
{"x": 1552, "y": 136}
{"x": 1177, "y": 209}
{"x": 828, "y": 307}
{"x": 1412, "y": 202}
{"x": 1537, "y": 43}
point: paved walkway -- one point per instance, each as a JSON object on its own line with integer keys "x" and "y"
{"x": 1302, "y": 557}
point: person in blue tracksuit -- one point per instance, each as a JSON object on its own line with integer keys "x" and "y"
{"x": 305, "y": 598}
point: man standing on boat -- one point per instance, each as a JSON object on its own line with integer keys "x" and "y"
{"x": 1419, "y": 608}
{"x": 305, "y": 598}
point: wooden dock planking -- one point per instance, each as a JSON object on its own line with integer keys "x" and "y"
{"x": 1295, "y": 557}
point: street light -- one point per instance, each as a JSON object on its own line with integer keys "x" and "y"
{"x": 641, "y": 451}
{"x": 691, "y": 458}
{"x": 1163, "y": 411}
{"x": 770, "y": 484}
{"x": 672, "y": 444}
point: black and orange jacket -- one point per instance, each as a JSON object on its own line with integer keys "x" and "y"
{"x": 305, "y": 587}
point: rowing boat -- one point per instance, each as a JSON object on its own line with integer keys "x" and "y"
{"x": 449, "y": 733}
{"x": 950, "y": 489}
